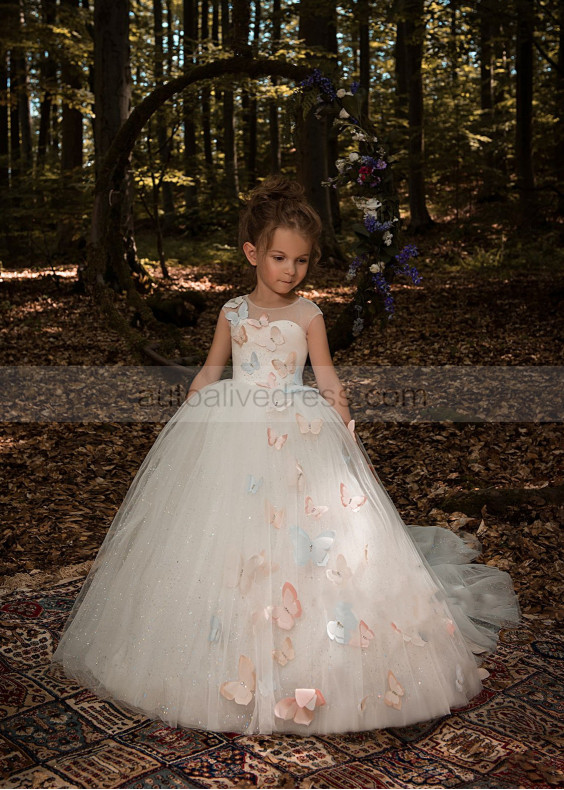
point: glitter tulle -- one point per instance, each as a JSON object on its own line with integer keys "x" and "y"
{"x": 258, "y": 578}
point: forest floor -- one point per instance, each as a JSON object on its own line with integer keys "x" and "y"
{"x": 486, "y": 298}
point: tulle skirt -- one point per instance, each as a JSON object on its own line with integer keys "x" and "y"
{"x": 257, "y": 578}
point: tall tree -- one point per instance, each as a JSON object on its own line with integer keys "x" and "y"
{"x": 71, "y": 79}
{"x": 112, "y": 107}
{"x": 524, "y": 107}
{"x": 231, "y": 168}
{"x": 412, "y": 16}
{"x": 317, "y": 25}
{"x": 162, "y": 131}
{"x": 559, "y": 147}
{"x": 273, "y": 124}
{"x": 48, "y": 79}
{"x": 206, "y": 95}
{"x": 189, "y": 43}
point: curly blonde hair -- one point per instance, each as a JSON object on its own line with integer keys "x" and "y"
{"x": 279, "y": 202}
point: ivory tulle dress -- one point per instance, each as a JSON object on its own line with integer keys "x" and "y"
{"x": 257, "y": 577}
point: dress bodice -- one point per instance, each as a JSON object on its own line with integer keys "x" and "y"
{"x": 269, "y": 345}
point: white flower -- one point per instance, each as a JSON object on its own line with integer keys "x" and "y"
{"x": 353, "y": 157}
{"x": 359, "y": 136}
{"x": 340, "y": 165}
{"x": 341, "y": 92}
{"x": 343, "y": 113}
{"x": 387, "y": 238}
{"x": 372, "y": 204}
{"x": 377, "y": 267}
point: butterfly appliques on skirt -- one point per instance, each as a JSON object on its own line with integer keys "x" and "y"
{"x": 300, "y": 707}
{"x": 285, "y": 653}
{"x": 241, "y": 690}
{"x": 354, "y": 503}
{"x": 286, "y": 615}
{"x": 395, "y": 692}
{"x": 314, "y": 549}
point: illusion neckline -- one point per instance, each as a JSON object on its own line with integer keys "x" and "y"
{"x": 283, "y": 307}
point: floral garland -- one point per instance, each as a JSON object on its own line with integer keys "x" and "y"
{"x": 366, "y": 173}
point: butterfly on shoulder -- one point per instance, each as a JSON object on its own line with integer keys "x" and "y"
{"x": 235, "y": 317}
{"x": 286, "y": 615}
{"x": 241, "y": 690}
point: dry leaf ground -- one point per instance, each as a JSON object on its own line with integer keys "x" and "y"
{"x": 62, "y": 483}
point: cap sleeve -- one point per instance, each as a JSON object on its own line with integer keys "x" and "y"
{"x": 310, "y": 310}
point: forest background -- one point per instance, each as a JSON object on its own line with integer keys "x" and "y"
{"x": 105, "y": 263}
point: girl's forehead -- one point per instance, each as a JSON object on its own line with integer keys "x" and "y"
{"x": 289, "y": 237}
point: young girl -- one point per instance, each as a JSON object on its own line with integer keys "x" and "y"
{"x": 257, "y": 577}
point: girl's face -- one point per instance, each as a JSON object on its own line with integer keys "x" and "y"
{"x": 284, "y": 264}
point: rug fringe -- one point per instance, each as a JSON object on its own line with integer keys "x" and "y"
{"x": 35, "y": 579}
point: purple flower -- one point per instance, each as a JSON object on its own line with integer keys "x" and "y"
{"x": 354, "y": 87}
{"x": 407, "y": 252}
{"x": 372, "y": 225}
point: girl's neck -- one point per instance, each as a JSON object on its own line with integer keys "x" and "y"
{"x": 264, "y": 300}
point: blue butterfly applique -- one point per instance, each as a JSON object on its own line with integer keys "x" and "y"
{"x": 343, "y": 626}
{"x": 236, "y": 316}
{"x": 252, "y": 365}
{"x": 215, "y": 629}
{"x": 306, "y": 549}
{"x": 253, "y": 484}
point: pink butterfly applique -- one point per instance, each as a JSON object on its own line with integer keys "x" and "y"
{"x": 241, "y": 690}
{"x": 395, "y": 692}
{"x": 415, "y": 639}
{"x": 259, "y": 323}
{"x": 276, "y": 440}
{"x": 275, "y": 516}
{"x": 239, "y": 335}
{"x": 286, "y": 615}
{"x": 340, "y": 573}
{"x": 316, "y": 511}
{"x": 243, "y": 573}
{"x": 354, "y": 503}
{"x": 300, "y": 707}
{"x": 362, "y": 637}
{"x": 270, "y": 383}
{"x": 285, "y": 653}
{"x": 286, "y": 367}
{"x": 306, "y": 426}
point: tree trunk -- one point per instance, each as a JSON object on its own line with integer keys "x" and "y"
{"x": 48, "y": 74}
{"x": 414, "y": 35}
{"x": 524, "y": 111}
{"x": 363, "y": 17}
{"x": 22, "y": 94}
{"x": 71, "y": 76}
{"x": 317, "y": 28}
{"x": 273, "y": 123}
{"x": 190, "y": 145}
{"x": 559, "y": 147}
{"x": 4, "y": 132}
{"x": 206, "y": 99}
{"x": 112, "y": 216}
{"x": 252, "y": 116}
{"x": 162, "y": 131}
{"x": 229, "y": 140}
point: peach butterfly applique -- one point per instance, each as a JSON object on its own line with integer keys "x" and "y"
{"x": 300, "y": 707}
{"x": 241, "y": 690}
{"x": 275, "y": 516}
{"x": 285, "y": 653}
{"x": 276, "y": 440}
{"x": 415, "y": 638}
{"x": 354, "y": 503}
{"x": 341, "y": 573}
{"x": 243, "y": 573}
{"x": 286, "y": 615}
{"x": 395, "y": 692}
{"x": 362, "y": 636}
{"x": 286, "y": 367}
{"x": 306, "y": 426}
{"x": 316, "y": 511}
{"x": 239, "y": 335}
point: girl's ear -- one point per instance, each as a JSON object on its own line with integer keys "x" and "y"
{"x": 251, "y": 252}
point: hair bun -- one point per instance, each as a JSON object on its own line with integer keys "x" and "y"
{"x": 278, "y": 187}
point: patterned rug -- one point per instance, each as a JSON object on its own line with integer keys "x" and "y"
{"x": 53, "y": 733}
